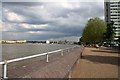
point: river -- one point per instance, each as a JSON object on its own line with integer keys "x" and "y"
{"x": 12, "y": 51}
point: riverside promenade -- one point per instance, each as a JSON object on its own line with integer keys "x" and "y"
{"x": 58, "y": 66}
{"x": 97, "y": 63}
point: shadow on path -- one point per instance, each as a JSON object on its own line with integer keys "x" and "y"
{"x": 110, "y": 48}
{"x": 103, "y": 59}
{"x": 106, "y": 51}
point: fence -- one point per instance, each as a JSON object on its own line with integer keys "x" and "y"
{"x": 6, "y": 62}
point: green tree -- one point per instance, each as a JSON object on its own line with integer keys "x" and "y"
{"x": 119, "y": 40}
{"x": 93, "y": 31}
{"x": 109, "y": 34}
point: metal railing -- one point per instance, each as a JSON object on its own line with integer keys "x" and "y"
{"x": 6, "y": 62}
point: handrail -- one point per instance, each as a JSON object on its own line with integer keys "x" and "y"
{"x": 5, "y": 62}
{"x": 32, "y": 56}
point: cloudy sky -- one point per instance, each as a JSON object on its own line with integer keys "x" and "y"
{"x": 62, "y": 20}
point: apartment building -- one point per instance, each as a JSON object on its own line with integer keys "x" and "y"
{"x": 112, "y": 13}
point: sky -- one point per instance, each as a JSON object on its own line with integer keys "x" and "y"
{"x": 50, "y": 20}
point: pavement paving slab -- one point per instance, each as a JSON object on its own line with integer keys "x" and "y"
{"x": 97, "y": 63}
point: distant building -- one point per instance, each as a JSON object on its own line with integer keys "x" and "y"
{"x": 112, "y": 13}
{"x": 21, "y": 41}
{"x": 10, "y": 41}
{"x": 47, "y": 42}
{"x": 13, "y": 41}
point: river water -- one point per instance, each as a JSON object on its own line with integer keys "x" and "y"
{"x": 12, "y": 51}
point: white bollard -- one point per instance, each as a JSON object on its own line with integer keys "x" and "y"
{"x": 47, "y": 60}
{"x": 5, "y": 70}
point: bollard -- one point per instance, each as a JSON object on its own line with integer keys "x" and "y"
{"x": 61, "y": 52}
{"x": 47, "y": 60}
{"x": 5, "y": 70}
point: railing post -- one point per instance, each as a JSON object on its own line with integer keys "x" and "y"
{"x": 47, "y": 60}
{"x": 61, "y": 52}
{"x": 69, "y": 76}
{"x": 5, "y": 70}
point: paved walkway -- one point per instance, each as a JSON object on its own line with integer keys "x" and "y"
{"x": 57, "y": 67}
{"x": 97, "y": 63}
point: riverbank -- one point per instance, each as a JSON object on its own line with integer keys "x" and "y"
{"x": 97, "y": 63}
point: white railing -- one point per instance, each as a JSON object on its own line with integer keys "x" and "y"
{"x": 5, "y": 62}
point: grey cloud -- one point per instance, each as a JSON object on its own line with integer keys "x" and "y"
{"x": 59, "y": 19}
{"x": 21, "y": 4}
{"x": 87, "y": 10}
{"x": 29, "y": 36}
{"x": 90, "y": 9}
{"x": 73, "y": 30}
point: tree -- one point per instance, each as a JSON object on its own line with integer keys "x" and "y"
{"x": 119, "y": 40}
{"x": 93, "y": 31}
{"x": 109, "y": 34}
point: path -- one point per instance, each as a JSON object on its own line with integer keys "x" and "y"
{"x": 97, "y": 63}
